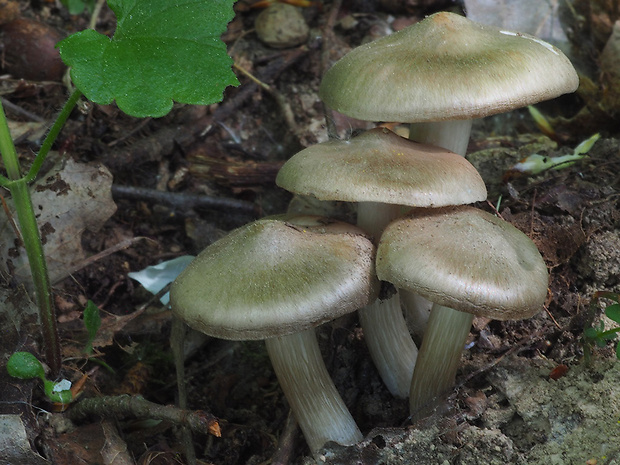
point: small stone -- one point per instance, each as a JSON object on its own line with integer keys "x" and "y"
{"x": 281, "y": 26}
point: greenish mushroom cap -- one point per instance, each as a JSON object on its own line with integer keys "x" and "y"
{"x": 446, "y": 67}
{"x": 466, "y": 259}
{"x": 272, "y": 278}
{"x": 380, "y": 166}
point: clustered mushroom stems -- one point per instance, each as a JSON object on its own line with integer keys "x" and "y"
{"x": 445, "y": 329}
{"x": 382, "y": 172}
{"x": 387, "y": 336}
{"x": 535, "y": 71}
{"x": 295, "y": 355}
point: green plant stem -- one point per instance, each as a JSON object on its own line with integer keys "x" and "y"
{"x": 61, "y": 119}
{"x": 20, "y": 193}
{"x": 609, "y": 332}
{"x": 7, "y": 149}
{"x": 38, "y": 269}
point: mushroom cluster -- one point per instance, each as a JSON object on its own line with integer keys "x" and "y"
{"x": 277, "y": 279}
{"x": 438, "y": 75}
{"x": 382, "y": 172}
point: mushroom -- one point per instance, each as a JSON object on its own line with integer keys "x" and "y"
{"x": 277, "y": 280}
{"x": 443, "y": 72}
{"x": 467, "y": 262}
{"x": 383, "y": 171}
{"x": 440, "y": 74}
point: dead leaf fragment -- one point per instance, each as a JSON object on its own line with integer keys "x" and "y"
{"x": 14, "y": 445}
{"x": 72, "y": 197}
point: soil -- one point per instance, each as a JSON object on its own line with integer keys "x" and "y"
{"x": 524, "y": 395}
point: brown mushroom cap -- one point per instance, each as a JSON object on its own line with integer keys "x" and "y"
{"x": 446, "y": 67}
{"x": 465, "y": 259}
{"x": 380, "y": 166}
{"x": 272, "y": 278}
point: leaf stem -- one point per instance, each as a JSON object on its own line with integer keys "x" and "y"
{"x": 64, "y": 114}
{"x": 20, "y": 193}
{"x": 38, "y": 269}
{"x": 609, "y": 332}
{"x": 7, "y": 149}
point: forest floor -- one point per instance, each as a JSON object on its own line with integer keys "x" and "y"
{"x": 524, "y": 394}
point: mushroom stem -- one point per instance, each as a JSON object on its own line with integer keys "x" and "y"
{"x": 451, "y": 135}
{"x": 390, "y": 345}
{"x": 417, "y": 310}
{"x": 385, "y": 331}
{"x": 310, "y": 391}
{"x": 438, "y": 359}
{"x": 373, "y": 217}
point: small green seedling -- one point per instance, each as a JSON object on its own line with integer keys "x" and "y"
{"x": 536, "y": 163}
{"x": 24, "y": 365}
{"x": 597, "y": 334}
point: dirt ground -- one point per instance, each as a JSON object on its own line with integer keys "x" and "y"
{"x": 524, "y": 393}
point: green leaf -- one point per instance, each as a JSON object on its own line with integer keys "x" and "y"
{"x": 618, "y": 351}
{"x": 601, "y": 342}
{"x": 613, "y": 312}
{"x": 75, "y": 7}
{"x": 162, "y": 51}
{"x": 92, "y": 321}
{"x": 55, "y": 393}
{"x": 24, "y": 365}
{"x": 590, "y": 333}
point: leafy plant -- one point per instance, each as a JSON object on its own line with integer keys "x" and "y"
{"x": 597, "y": 335}
{"x": 24, "y": 365}
{"x": 161, "y": 52}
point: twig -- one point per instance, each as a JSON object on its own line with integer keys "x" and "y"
{"x": 9, "y": 215}
{"x": 104, "y": 253}
{"x": 138, "y": 127}
{"x": 19, "y": 110}
{"x": 286, "y": 443}
{"x": 198, "y": 421}
{"x": 183, "y": 201}
{"x": 283, "y": 104}
{"x": 268, "y": 74}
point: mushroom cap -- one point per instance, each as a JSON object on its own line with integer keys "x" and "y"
{"x": 446, "y": 67}
{"x": 465, "y": 259}
{"x": 272, "y": 278}
{"x": 380, "y": 166}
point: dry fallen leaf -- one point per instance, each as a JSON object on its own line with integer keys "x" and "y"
{"x": 114, "y": 451}
{"x": 70, "y": 198}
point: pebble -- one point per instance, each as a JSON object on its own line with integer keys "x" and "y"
{"x": 281, "y": 26}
